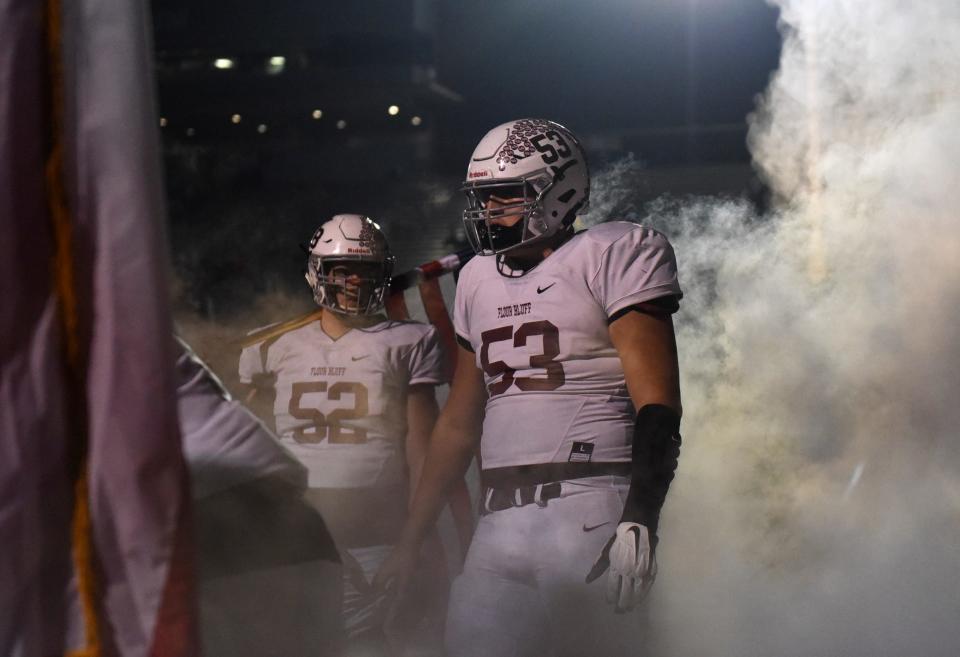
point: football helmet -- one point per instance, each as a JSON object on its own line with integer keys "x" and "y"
{"x": 534, "y": 168}
{"x": 349, "y": 265}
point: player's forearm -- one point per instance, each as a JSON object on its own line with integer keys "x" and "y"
{"x": 448, "y": 457}
{"x": 415, "y": 459}
{"x": 656, "y": 449}
{"x": 421, "y": 417}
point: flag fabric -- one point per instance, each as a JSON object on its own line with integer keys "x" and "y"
{"x": 35, "y": 495}
{"x": 87, "y": 380}
{"x": 225, "y": 445}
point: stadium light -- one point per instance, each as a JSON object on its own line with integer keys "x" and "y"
{"x": 341, "y": 124}
{"x": 416, "y": 120}
{"x": 317, "y": 114}
{"x": 224, "y": 63}
{"x": 262, "y": 128}
{"x": 276, "y": 64}
{"x": 393, "y": 110}
{"x": 236, "y": 118}
{"x": 163, "y": 122}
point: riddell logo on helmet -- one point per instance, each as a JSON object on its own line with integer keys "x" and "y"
{"x": 479, "y": 174}
{"x": 358, "y": 251}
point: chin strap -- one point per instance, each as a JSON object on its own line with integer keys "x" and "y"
{"x": 656, "y": 448}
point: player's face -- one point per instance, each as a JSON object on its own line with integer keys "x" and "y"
{"x": 502, "y": 204}
{"x": 354, "y": 283}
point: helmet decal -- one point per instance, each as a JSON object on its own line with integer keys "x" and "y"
{"x": 316, "y": 237}
{"x": 519, "y": 144}
{"x": 529, "y": 136}
{"x": 368, "y": 236}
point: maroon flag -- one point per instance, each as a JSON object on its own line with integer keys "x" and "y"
{"x": 35, "y": 494}
{"x": 426, "y": 278}
{"x": 87, "y": 387}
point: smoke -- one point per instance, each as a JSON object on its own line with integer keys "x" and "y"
{"x": 613, "y": 193}
{"x": 817, "y": 508}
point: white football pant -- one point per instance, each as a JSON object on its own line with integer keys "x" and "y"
{"x": 363, "y": 609}
{"x": 522, "y": 591}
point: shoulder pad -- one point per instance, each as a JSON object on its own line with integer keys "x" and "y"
{"x": 276, "y": 330}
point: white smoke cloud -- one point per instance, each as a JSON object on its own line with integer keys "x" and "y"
{"x": 817, "y": 508}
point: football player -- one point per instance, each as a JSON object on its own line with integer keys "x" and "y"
{"x": 568, "y": 361}
{"x": 354, "y": 403}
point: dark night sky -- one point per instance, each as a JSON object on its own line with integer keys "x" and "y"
{"x": 618, "y": 63}
{"x": 610, "y": 64}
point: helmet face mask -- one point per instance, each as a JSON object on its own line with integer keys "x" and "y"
{"x": 349, "y": 266}
{"x": 349, "y": 287}
{"x": 537, "y": 174}
{"x": 490, "y": 229}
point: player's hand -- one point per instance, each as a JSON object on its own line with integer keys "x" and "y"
{"x": 396, "y": 570}
{"x": 393, "y": 579}
{"x": 629, "y": 557}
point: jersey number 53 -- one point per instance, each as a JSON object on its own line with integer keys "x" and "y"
{"x": 551, "y": 349}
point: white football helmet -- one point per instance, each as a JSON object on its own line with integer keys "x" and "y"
{"x": 349, "y": 265}
{"x": 537, "y": 162}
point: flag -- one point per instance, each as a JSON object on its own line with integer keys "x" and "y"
{"x": 35, "y": 496}
{"x": 427, "y": 279}
{"x": 87, "y": 381}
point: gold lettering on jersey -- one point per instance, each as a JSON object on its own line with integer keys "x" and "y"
{"x": 514, "y": 310}
{"x": 327, "y": 371}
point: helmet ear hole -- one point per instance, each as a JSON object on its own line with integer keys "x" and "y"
{"x": 565, "y": 197}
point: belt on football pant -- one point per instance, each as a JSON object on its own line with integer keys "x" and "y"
{"x": 521, "y": 485}
{"x": 498, "y": 499}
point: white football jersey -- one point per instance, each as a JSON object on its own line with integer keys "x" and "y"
{"x": 555, "y": 382}
{"x": 341, "y": 404}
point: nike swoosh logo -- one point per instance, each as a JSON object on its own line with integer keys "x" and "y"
{"x": 542, "y": 290}
{"x": 356, "y": 358}
{"x": 590, "y": 529}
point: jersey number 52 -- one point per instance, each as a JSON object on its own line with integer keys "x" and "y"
{"x": 328, "y": 426}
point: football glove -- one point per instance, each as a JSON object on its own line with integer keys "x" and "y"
{"x": 631, "y": 566}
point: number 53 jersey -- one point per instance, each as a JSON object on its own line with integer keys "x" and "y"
{"x": 341, "y": 404}
{"x": 555, "y": 384}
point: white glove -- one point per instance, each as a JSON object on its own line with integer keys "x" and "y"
{"x": 632, "y": 566}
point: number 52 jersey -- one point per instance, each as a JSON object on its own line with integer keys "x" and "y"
{"x": 555, "y": 383}
{"x": 341, "y": 404}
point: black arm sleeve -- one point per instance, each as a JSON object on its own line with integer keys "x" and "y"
{"x": 463, "y": 342}
{"x": 656, "y": 448}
